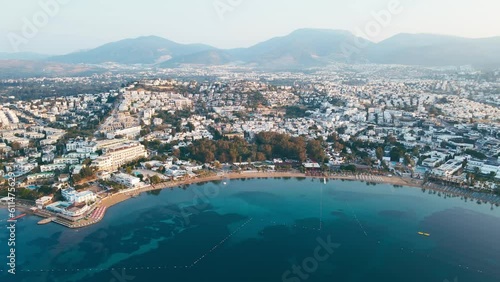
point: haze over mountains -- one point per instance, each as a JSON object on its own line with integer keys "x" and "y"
{"x": 301, "y": 48}
{"x": 142, "y": 50}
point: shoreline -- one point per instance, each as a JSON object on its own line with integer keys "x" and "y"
{"x": 120, "y": 197}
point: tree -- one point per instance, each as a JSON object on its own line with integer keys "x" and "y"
{"x": 77, "y": 178}
{"x": 351, "y": 168}
{"x": 45, "y": 190}
{"x": 260, "y": 157}
{"x": 295, "y": 112}
{"x": 57, "y": 173}
{"x": 392, "y": 140}
{"x": 493, "y": 174}
{"x": 155, "y": 179}
{"x": 86, "y": 172}
{"x": 408, "y": 160}
{"x": 332, "y": 137}
{"x": 16, "y": 146}
{"x": 315, "y": 150}
{"x": 191, "y": 126}
{"x": 476, "y": 154}
{"x": 477, "y": 171}
{"x": 416, "y": 151}
{"x": 176, "y": 153}
{"x": 341, "y": 130}
{"x": 380, "y": 153}
{"x": 87, "y": 162}
{"x": 396, "y": 154}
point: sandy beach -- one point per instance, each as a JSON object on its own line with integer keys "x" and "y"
{"x": 118, "y": 198}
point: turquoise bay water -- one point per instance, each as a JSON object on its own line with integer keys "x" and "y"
{"x": 257, "y": 230}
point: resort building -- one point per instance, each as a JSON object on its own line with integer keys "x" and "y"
{"x": 71, "y": 195}
{"x": 129, "y": 132}
{"x": 68, "y": 209}
{"x": 81, "y": 146}
{"x": 119, "y": 155}
{"x": 127, "y": 180}
{"x": 448, "y": 169}
{"x": 105, "y": 144}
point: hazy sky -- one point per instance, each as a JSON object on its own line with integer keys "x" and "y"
{"x": 236, "y": 23}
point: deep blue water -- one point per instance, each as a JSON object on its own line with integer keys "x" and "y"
{"x": 258, "y": 230}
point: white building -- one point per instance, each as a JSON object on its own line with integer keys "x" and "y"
{"x": 52, "y": 167}
{"x": 68, "y": 209}
{"x": 449, "y": 168}
{"x": 71, "y": 195}
{"x": 68, "y": 161}
{"x": 40, "y": 203}
{"x": 119, "y": 155}
{"x": 127, "y": 180}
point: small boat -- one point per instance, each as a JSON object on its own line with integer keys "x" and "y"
{"x": 46, "y": 220}
{"x": 424, "y": 234}
{"x": 17, "y": 217}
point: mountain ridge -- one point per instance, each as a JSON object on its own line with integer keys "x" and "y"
{"x": 307, "y": 47}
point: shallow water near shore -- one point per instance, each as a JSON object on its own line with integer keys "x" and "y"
{"x": 257, "y": 230}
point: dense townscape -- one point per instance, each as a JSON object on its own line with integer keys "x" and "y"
{"x": 68, "y": 151}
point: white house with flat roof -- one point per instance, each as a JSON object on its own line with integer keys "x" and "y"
{"x": 71, "y": 195}
{"x": 127, "y": 180}
{"x": 40, "y": 203}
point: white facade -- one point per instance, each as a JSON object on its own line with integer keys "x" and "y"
{"x": 52, "y": 167}
{"x": 71, "y": 195}
{"x": 127, "y": 180}
{"x": 120, "y": 155}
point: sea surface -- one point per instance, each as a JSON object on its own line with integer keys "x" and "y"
{"x": 283, "y": 229}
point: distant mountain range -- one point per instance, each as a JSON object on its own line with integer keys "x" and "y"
{"x": 436, "y": 50}
{"x": 142, "y": 50}
{"x": 28, "y": 68}
{"x": 301, "y": 48}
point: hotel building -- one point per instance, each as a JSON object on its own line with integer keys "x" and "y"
{"x": 119, "y": 155}
{"x": 72, "y": 196}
